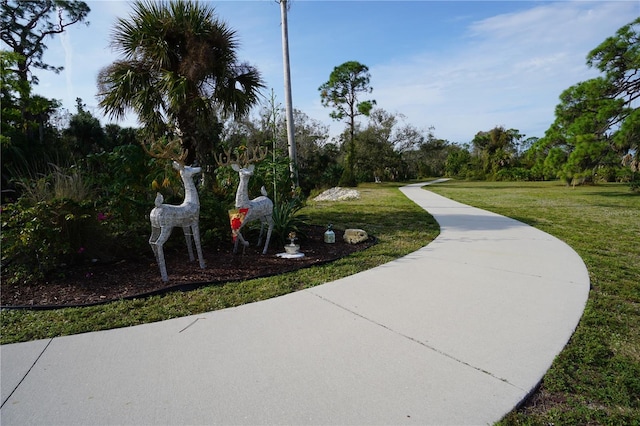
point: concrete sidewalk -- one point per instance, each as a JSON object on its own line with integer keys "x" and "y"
{"x": 458, "y": 332}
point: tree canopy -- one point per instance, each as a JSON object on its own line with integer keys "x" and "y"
{"x": 341, "y": 92}
{"x": 597, "y": 121}
{"x": 26, "y": 24}
{"x": 496, "y": 148}
{"x": 26, "y": 133}
{"x": 179, "y": 72}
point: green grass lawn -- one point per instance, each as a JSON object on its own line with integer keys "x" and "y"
{"x": 383, "y": 211}
{"x": 596, "y": 378}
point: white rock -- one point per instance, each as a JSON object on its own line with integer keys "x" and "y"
{"x": 355, "y": 236}
{"x": 338, "y": 194}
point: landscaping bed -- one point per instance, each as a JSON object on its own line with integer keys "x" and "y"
{"x": 134, "y": 278}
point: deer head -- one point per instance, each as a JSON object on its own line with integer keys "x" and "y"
{"x": 247, "y": 170}
{"x": 173, "y": 151}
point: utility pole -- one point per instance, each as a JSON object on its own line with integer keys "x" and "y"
{"x": 287, "y": 94}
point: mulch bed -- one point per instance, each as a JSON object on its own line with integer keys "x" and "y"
{"x": 140, "y": 277}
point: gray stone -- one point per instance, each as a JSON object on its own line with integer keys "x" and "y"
{"x": 355, "y": 236}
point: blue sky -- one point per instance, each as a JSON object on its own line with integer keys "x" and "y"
{"x": 457, "y": 66}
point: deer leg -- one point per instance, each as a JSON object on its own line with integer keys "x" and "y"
{"x": 240, "y": 238}
{"x": 155, "y": 233}
{"x": 187, "y": 237}
{"x": 196, "y": 237}
{"x": 266, "y": 243}
{"x": 262, "y": 221}
{"x": 165, "y": 232}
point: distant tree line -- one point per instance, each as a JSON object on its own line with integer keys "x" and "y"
{"x": 594, "y": 137}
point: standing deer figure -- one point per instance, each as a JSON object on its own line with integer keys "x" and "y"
{"x": 164, "y": 217}
{"x": 260, "y": 208}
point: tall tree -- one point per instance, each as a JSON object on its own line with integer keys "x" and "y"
{"x": 341, "y": 92}
{"x": 459, "y": 161}
{"x": 389, "y": 148}
{"x": 496, "y": 148}
{"x": 314, "y": 157}
{"x": 179, "y": 71}
{"x": 598, "y": 121}
{"x": 84, "y": 135}
{"x": 375, "y": 147}
{"x": 27, "y": 137}
{"x": 430, "y": 157}
{"x": 618, "y": 57}
{"x": 26, "y": 25}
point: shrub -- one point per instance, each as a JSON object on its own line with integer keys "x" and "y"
{"x": 124, "y": 177}
{"x": 513, "y": 174}
{"x": 214, "y": 219}
{"x": 286, "y": 218}
{"x": 42, "y": 237}
{"x": 58, "y": 184}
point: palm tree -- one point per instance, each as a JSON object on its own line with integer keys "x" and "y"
{"x": 179, "y": 72}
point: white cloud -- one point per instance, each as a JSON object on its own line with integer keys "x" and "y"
{"x": 510, "y": 70}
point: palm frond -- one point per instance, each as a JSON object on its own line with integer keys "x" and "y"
{"x": 178, "y": 65}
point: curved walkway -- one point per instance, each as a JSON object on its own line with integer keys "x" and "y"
{"x": 458, "y": 332}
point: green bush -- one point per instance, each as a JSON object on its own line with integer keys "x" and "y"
{"x": 513, "y": 174}
{"x": 57, "y": 184}
{"x": 124, "y": 178}
{"x": 42, "y": 237}
{"x": 287, "y": 218}
{"x": 605, "y": 174}
{"x": 624, "y": 174}
{"x": 97, "y": 209}
{"x": 214, "y": 219}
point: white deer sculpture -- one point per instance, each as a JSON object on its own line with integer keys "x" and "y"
{"x": 260, "y": 208}
{"x": 165, "y": 217}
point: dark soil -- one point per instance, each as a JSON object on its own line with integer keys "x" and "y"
{"x": 140, "y": 277}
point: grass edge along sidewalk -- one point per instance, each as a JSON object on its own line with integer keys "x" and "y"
{"x": 400, "y": 226}
{"x": 596, "y": 378}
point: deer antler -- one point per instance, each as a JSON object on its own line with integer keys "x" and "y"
{"x": 226, "y": 156}
{"x": 169, "y": 151}
{"x": 243, "y": 157}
